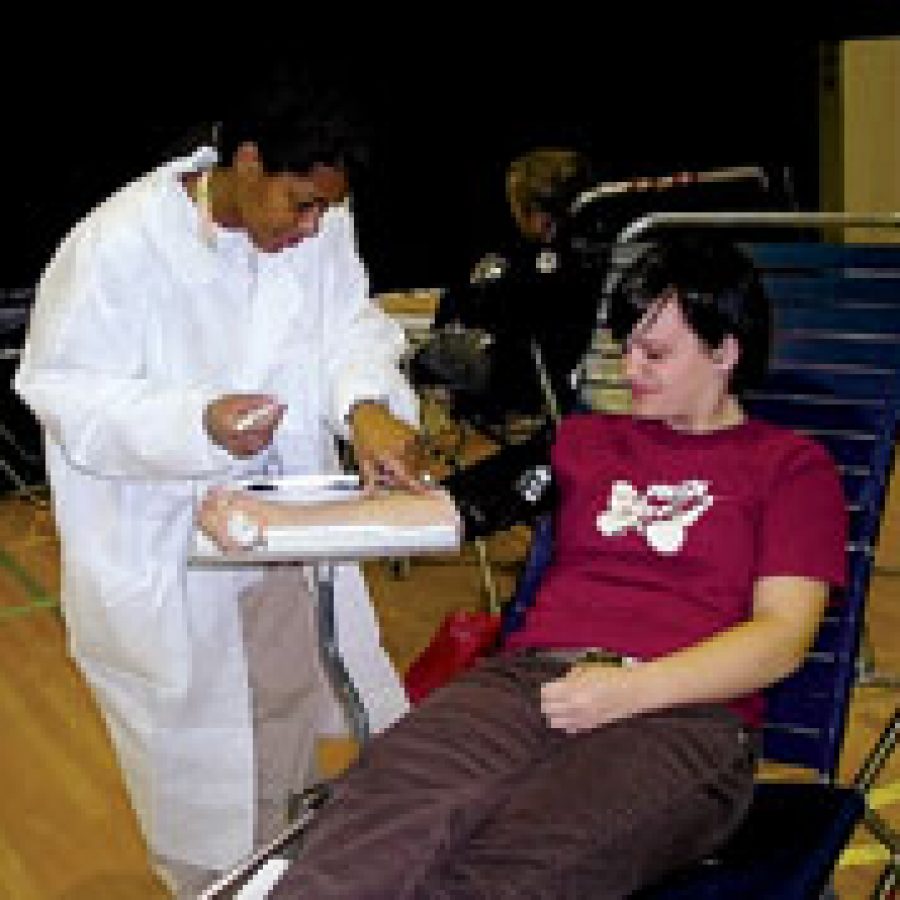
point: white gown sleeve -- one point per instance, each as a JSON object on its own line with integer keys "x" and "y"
{"x": 82, "y": 373}
{"x": 363, "y": 345}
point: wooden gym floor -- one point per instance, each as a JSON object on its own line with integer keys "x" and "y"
{"x": 66, "y": 829}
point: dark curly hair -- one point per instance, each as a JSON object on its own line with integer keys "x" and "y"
{"x": 296, "y": 124}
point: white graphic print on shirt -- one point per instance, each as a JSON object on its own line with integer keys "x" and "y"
{"x": 662, "y": 514}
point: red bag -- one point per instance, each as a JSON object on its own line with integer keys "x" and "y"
{"x": 460, "y": 640}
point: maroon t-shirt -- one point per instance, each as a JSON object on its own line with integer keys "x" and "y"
{"x": 660, "y": 535}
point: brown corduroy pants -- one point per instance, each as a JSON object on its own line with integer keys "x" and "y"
{"x": 473, "y": 796}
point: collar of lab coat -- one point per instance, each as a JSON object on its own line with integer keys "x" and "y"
{"x": 175, "y": 225}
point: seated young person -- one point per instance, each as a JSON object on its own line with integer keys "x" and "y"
{"x": 612, "y": 740}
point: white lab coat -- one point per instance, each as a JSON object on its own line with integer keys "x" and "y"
{"x": 139, "y": 322}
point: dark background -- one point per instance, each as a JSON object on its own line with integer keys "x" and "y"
{"x": 85, "y": 108}
{"x": 445, "y": 118}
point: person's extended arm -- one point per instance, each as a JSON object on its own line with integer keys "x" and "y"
{"x": 216, "y": 513}
{"x": 745, "y": 658}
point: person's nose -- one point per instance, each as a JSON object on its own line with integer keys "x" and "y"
{"x": 630, "y": 364}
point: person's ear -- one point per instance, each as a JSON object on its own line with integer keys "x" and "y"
{"x": 247, "y": 159}
{"x": 725, "y": 356}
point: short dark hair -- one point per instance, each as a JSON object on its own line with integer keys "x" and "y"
{"x": 717, "y": 288}
{"x": 296, "y": 125}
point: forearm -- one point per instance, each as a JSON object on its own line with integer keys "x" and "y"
{"x": 733, "y": 663}
{"x": 389, "y": 507}
{"x": 744, "y": 659}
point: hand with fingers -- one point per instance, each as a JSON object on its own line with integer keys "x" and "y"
{"x": 244, "y": 424}
{"x": 386, "y": 448}
{"x": 590, "y": 695}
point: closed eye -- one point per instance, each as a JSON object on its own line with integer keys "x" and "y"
{"x": 305, "y": 206}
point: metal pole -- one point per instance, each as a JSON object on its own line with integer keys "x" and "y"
{"x": 762, "y": 219}
{"x": 332, "y": 661}
{"x": 239, "y": 877}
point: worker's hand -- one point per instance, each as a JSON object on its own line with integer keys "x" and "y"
{"x": 243, "y": 424}
{"x": 386, "y": 448}
{"x": 590, "y": 695}
{"x": 233, "y": 520}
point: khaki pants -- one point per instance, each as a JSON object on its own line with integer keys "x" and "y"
{"x": 292, "y": 703}
{"x": 292, "y": 700}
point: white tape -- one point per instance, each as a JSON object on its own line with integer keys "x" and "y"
{"x": 243, "y": 530}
